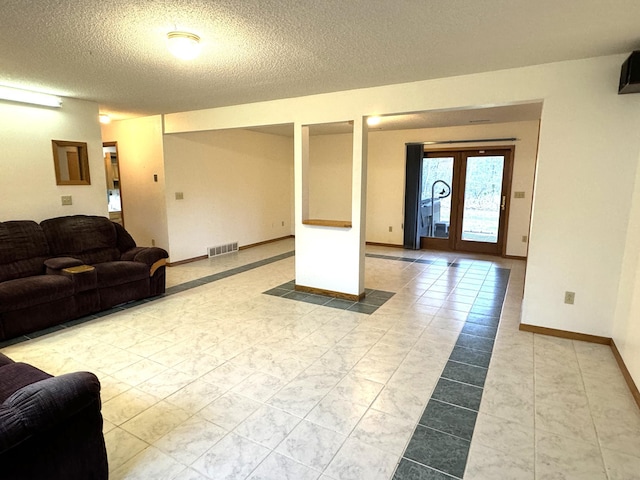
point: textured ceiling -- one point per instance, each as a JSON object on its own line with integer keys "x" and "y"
{"x": 113, "y": 51}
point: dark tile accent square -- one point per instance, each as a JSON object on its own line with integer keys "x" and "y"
{"x": 488, "y": 311}
{"x": 277, "y": 292}
{"x": 294, "y": 295}
{"x": 363, "y": 308}
{"x": 104, "y": 313}
{"x": 487, "y": 295}
{"x": 461, "y": 372}
{"x": 135, "y": 303}
{"x": 480, "y": 330}
{"x": 380, "y": 294}
{"x": 471, "y": 357}
{"x": 45, "y": 331}
{"x": 475, "y": 343}
{"x": 488, "y": 320}
{"x": 371, "y": 300}
{"x": 408, "y": 470}
{"x": 438, "y": 450}
{"x": 13, "y": 341}
{"x": 315, "y": 299}
{"x": 79, "y": 321}
{"x": 489, "y": 302}
{"x": 339, "y": 303}
{"x": 289, "y": 285}
{"x": 450, "y": 419}
{"x": 457, "y": 393}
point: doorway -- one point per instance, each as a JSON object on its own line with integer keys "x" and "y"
{"x": 463, "y": 200}
{"x": 114, "y": 188}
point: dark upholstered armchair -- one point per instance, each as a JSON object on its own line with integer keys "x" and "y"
{"x": 50, "y": 427}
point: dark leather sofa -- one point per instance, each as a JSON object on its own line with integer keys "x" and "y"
{"x": 50, "y": 427}
{"x": 69, "y": 267}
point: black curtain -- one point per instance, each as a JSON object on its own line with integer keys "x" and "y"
{"x": 413, "y": 174}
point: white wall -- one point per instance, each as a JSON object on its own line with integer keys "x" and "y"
{"x": 140, "y": 156}
{"x": 626, "y": 327}
{"x": 330, "y": 174}
{"x": 237, "y": 186}
{"x": 587, "y": 160}
{"x": 28, "y": 189}
{"x": 386, "y": 180}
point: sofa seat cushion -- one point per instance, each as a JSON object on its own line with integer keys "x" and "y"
{"x": 36, "y": 290}
{"x": 17, "y": 375}
{"x": 116, "y": 273}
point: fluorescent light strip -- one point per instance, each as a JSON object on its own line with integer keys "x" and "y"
{"x": 25, "y": 96}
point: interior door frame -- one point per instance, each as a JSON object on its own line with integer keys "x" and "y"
{"x": 454, "y": 242}
{"x": 115, "y": 144}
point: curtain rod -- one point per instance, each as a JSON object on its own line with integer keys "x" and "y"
{"x": 482, "y": 140}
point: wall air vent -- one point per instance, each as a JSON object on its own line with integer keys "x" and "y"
{"x": 222, "y": 249}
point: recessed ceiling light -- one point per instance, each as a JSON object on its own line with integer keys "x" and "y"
{"x": 104, "y": 118}
{"x": 183, "y": 45}
{"x": 26, "y": 96}
{"x": 372, "y": 121}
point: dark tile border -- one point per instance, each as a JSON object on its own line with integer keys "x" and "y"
{"x": 169, "y": 291}
{"x": 440, "y": 445}
{"x": 373, "y": 299}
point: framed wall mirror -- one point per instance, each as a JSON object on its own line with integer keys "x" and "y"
{"x": 71, "y": 162}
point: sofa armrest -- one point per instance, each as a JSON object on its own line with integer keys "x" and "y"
{"x": 4, "y": 360}
{"x": 41, "y": 405}
{"x": 57, "y": 264}
{"x": 154, "y": 257}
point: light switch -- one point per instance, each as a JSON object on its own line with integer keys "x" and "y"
{"x": 518, "y": 194}
{"x": 179, "y": 196}
{"x": 66, "y": 200}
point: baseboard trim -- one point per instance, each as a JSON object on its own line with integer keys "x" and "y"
{"x": 244, "y": 247}
{"x": 514, "y": 257}
{"x": 633, "y": 388}
{"x": 188, "y": 260}
{"x": 625, "y": 373}
{"x": 330, "y": 293}
{"x": 553, "y": 332}
{"x": 378, "y": 244}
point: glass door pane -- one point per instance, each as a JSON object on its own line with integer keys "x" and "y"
{"x": 435, "y": 204}
{"x": 482, "y": 199}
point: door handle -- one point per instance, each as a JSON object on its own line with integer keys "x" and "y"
{"x": 504, "y": 202}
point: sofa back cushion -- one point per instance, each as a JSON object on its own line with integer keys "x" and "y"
{"x": 23, "y": 250}
{"x": 88, "y": 238}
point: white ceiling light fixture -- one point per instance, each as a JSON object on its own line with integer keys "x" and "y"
{"x": 183, "y": 45}
{"x": 373, "y": 121}
{"x": 27, "y": 96}
{"x": 104, "y": 118}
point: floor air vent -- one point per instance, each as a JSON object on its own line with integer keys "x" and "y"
{"x": 222, "y": 249}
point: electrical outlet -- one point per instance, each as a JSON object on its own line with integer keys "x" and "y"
{"x": 569, "y": 297}
{"x": 390, "y": 228}
{"x": 525, "y": 239}
{"x": 283, "y": 223}
{"x": 66, "y": 200}
{"x": 179, "y": 196}
{"x": 153, "y": 242}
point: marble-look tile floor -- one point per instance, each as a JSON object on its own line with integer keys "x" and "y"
{"x": 223, "y": 382}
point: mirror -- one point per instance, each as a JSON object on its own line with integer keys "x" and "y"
{"x": 71, "y": 163}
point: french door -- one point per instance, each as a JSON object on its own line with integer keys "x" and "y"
{"x": 463, "y": 200}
